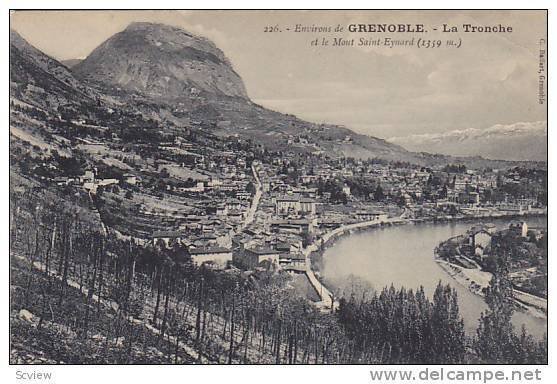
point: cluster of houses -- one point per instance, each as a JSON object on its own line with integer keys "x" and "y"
{"x": 288, "y": 219}
{"x": 247, "y": 250}
{"x": 419, "y": 188}
{"x": 527, "y": 272}
{"x": 479, "y": 236}
{"x": 292, "y": 211}
{"x": 90, "y": 183}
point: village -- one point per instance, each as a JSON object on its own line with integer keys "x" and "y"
{"x": 226, "y": 205}
{"x": 227, "y": 202}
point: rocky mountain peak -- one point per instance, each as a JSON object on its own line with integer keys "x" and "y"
{"x": 162, "y": 61}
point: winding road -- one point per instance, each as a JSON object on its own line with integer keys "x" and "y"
{"x": 256, "y": 198}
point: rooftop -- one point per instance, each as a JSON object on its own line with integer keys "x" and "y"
{"x": 262, "y": 250}
{"x": 158, "y": 234}
{"x": 208, "y": 250}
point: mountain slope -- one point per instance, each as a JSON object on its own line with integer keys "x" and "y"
{"x": 40, "y": 80}
{"x": 187, "y": 79}
{"x": 161, "y": 61}
{"x": 519, "y": 142}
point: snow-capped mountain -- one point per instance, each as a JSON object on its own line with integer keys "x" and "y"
{"x": 518, "y": 141}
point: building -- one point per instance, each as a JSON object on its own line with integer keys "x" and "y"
{"x": 87, "y": 177}
{"x": 371, "y": 215}
{"x": 61, "y": 180}
{"x": 167, "y": 237}
{"x": 406, "y": 199}
{"x": 107, "y": 182}
{"x": 242, "y": 241}
{"x": 285, "y": 205}
{"x": 253, "y": 257}
{"x": 295, "y": 262}
{"x": 233, "y": 205}
{"x": 479, "y": 237}
{"x": 243, "y": 195}
{"x": 346, "y": 190}
{"x": 330, "y": 223}
{"x": 469, "y": 198}
{"x": 131, "y": 179}
{"x": 295, "y": 205}
{"x": 461, "y": 184}
{"x": 297, "y": 226}
{"x": 90, "y": 187}
{"x": 198, "y": 188}
{"x": 218, "y": 257}
{"x": 519, "y": 227}
{"x": 474, "y": 198}
{"x": 289, "y": 246}
{"x": 221, "y": 210}
{"x": 511, "y": 209}
{"x": 308, "y": 206}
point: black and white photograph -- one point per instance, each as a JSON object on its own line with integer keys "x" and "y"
{"x": 278, "y": 187}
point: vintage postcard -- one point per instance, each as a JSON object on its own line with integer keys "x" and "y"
{"x": 279, "y": 187}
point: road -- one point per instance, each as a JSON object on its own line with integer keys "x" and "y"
{"x": 325, "y": 295}
{"x": 256, "y": 198}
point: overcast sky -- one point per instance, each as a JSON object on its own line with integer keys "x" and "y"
{"x": 491, "y": 79}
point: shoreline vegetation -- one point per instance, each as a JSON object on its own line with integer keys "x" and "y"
{"x": 476, "y": 280}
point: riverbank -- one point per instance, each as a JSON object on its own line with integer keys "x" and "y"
{"x": 320, "y": 245}
{"x": 402, "y": 256}
{"x": 473, "y": 279}
{"x": 476, "y": 280}
{"x": 330, "y": 237}
{"x": 491, "y": 215}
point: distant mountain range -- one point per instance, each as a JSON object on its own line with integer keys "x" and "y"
{"x": 519, "y": 141}
{"x": 182, "y": 80}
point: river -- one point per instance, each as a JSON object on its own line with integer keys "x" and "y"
{"x": 403, "y": 255}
